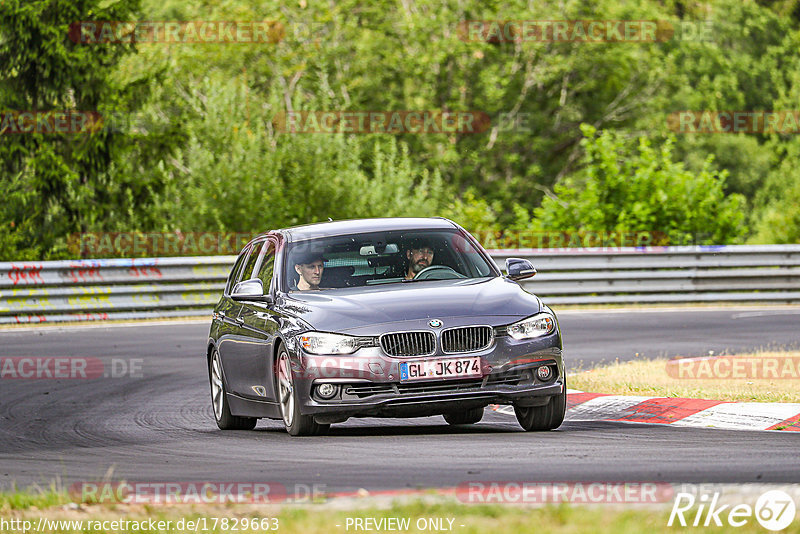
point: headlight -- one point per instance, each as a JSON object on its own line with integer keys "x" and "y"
{"x": 324, "y": 343}
{"x": 539, "y": 325}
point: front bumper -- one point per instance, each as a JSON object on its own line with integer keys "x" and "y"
{"x": 368, "y": 383}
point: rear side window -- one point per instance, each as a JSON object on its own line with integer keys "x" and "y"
{"x": 247, "y": 274}
{"x": 267, "y": 266}
{"x": 236, "y": 268}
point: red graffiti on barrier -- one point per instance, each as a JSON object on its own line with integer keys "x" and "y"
{"x": 145, "y": 271}
{"x": 27, "y": 274}
{"x": 89, "y": 316}
{"x": 79, "y": 273}
{"x": 23, "y": 319}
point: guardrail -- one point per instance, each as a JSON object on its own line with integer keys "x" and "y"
{"x": 85, "y": 290}
{"x": 733, "y": 273}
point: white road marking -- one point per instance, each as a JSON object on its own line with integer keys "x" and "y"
{"x": 742, "y": 415}
{"x": 607, "y": 407}
{"x": 764, "y": 313}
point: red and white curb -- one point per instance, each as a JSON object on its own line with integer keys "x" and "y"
{"x": 703, "y": 413}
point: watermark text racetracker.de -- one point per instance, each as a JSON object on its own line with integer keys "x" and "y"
{"x": 49, "y": 122}
{"x": 735, "y": 122}
{"x": 68, "y": 367}
{"x": 195, "y": 524}
{"x": 759, "y": 367}
{"x": 153, "y": 244}
{"x": 196, "y": 492}
{"x": 382, "y": 122}
{"x": 587, "y": 492}
{"x": 584, "y": 31}
{"x": 94, "y": 32}
{"x": 156, "y": 244}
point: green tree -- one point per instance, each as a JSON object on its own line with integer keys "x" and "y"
{"x": 205, "y": 154}
{"x": 63, "y": 183}
{"x": 777, "y": 214}
{"x": 627, "y": 185}
{"x": 235, "y": 173}
{"x": 749, "y": 62}
{"x": 387, "y": 56}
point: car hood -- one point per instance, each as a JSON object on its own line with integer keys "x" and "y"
{"x": 349, "y": 309}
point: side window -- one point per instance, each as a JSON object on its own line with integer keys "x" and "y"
{"x": 236, "y": 268}
{"x": 267, "y": 266}
{"x": 247, "y": 274}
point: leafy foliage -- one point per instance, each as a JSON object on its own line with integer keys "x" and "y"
{"x": 62, "y": 183}
{"x": 235, "y": 174}
{"x": 198, "y": 148}
{"x": 630, "y": 186}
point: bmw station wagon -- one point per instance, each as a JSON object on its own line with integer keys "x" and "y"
{"x": 405, "y": 317}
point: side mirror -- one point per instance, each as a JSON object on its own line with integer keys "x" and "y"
{"x": 519, "y": 269}
{"x": 251, "y": 289}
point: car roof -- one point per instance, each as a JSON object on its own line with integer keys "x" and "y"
{"x": 357, "y": 226}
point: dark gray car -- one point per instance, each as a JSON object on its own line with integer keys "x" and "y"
{"x": 380, "y": 318}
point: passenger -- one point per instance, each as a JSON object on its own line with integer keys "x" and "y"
{"x": 309, "y": 267}
{"x": 420, "y": 255}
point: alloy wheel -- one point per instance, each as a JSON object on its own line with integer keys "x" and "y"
{"x": 286, "y": 389}
{"x": 217, "y": 389}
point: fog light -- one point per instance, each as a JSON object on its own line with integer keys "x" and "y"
{"x": 327, "y": 391}
{"x": 544, "y": 373}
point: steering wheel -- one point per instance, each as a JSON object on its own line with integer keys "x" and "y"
{"x": 430, "y": 273}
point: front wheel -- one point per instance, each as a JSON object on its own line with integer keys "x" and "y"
{"x": 467, "y": 417}
{"x": 547, "y": 417}
{"x": 219, "y": 399}
{"x": 296, "y": 423}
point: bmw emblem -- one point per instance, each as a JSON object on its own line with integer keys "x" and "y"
{"x": 435, "y": 323}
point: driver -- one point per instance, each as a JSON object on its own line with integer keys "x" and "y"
{"x": 420, "y": 255}
{"x": 309, "y": 267}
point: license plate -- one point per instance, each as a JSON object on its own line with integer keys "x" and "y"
{"x": 441, "y": 368}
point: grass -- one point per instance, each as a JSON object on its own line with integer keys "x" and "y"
{"x": 323, "y": 519}
{"x": 34, "y": 498}
{"x": 659, "y": 378}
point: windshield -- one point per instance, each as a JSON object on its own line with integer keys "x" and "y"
{"x": 382, "y": 258}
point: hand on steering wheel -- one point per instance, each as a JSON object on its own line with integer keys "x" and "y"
{"x": 431, "y": 270}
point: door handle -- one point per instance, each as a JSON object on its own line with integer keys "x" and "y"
{"x": 267, "y": 317}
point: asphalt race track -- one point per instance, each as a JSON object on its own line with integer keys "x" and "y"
{"x": 158, "y": 425}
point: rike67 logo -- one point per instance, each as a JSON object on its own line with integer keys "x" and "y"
{"x": 774, "y": 510}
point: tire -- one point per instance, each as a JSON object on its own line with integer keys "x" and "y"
{"x": 219, "y": 399}
{"x": 296, "y": 423}
{"x": 467, "y": 417}
{"x": 547, "y": 417}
